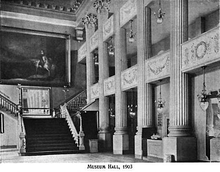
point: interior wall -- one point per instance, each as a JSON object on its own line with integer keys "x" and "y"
{"x": 9, "y": 139}
{"x": 199, "y": 116}
{"x": 11, "y": 91}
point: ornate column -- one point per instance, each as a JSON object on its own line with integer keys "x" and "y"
{"x": 90, "y": 68}
{"x": 179, "y": 116}
{"x": 104, "y": 134}
{"x": 120, "y": 137}
{"x": 144, "y": 90}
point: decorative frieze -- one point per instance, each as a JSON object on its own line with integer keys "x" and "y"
{"x": 95, "y": 91}
{"x": 202, "y": 50}
{"x": 128, "y": 11}
{"x": 129, "y": 78}
{"x": 82, "y": 52}
{"x": 109, "y": 86}
{"x": 108, "y": 28}
{"x": 94, "y": 41}
{"x": 158, "y": 67}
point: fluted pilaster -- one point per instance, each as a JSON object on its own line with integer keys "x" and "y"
{"x": 179, "y": 117}
{"x": 90, "y": 70}
{"x": 120, "y": 138}
{"x": 104, "y": 135}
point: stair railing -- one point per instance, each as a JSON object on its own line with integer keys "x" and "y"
{"x": 77, "y": 102}
{"x": 6, "y": 103}
{"x": 64, "y": 112}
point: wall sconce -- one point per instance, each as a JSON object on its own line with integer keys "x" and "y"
{"x": 131, "y": 33}
{"x": 160, "y": 103}
{"x": 111, "y": 112}
{"x": 159, "y": 15}
{"x": 65, "y": 90}
{"x": 132, "y": 110}
{"x": 100, "y": 5}
{"x": 111, "y": 48}
{"x": 79, "y": 34}
{"x": 203, "y": 97}
{"x": 90, "y": 20}
{"x": 96, "y": 58}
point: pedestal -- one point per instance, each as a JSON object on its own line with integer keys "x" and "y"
{"x": 93, "y": 145}
{"x": 182, "y": 148}
{"x": 104, "y": 141}
{"x": 215, "y": 149}
{"x": 138, "y": 147}
{"x": 120, "y": 144}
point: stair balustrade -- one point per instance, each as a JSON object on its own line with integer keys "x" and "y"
{"x": 7, "y": 104}
{"x": 77, "y": 137}
{"x": 77, "y": 102}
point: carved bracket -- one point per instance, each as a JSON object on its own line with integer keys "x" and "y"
{"x": 158, "y": 67}
{"x": 109, "y": 86}
{"x": 129, "y": 78}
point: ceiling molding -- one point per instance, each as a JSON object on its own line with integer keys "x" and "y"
{"x": 47, "y": 6}
{"x": 38, "y": 19}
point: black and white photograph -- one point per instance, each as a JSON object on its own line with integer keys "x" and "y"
{"x": 109, "y": 85}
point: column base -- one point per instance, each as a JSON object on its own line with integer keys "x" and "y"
{"x": 179, "y": 131}
{"x": 138, "y": 147}
{"x": 120, "y": 143}
{"x": 104, "y": 142}
{"x": 184, "y": 149}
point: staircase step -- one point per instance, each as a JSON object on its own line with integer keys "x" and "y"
{"x": 48, "y": 139}
{"x": 34, "y": 153}
{"x": 48, "y": 136}
{"x": 54, "y": 146}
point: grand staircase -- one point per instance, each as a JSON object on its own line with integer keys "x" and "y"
{"x": 48, "y": 136}
{"x": 40, "y": 136}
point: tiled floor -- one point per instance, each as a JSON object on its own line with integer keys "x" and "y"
{"x": 13, "y": 157}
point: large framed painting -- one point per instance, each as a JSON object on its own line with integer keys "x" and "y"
{"x": 34, "y": 58}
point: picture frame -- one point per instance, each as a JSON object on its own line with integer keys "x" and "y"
{"x": 36, "y": 100}
{"x": 34, "y": 58}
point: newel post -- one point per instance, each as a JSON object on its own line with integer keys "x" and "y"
{"x": 81, "y": 133}
{"x": 22, "y": 141}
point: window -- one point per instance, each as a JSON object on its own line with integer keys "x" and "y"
{"x": 1, "y": 123}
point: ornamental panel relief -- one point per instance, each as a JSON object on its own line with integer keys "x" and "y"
{"x": 94, "y": 41}
{"x": 82, "y": 52}
{"x": 128, "y": 11}
{"x": 109, "y": 86}
{"x": 204, "y": 49}
{"x": 108, "y": 28}
{"x": 129, "y": 78}
{"x": 95, "y": 91}
{"x": 158, "y": 67}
